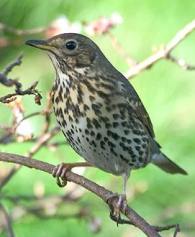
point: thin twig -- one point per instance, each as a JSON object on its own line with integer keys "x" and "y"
{"x": 3, "y": 75}
{"x": 18, "y": 86}
{"x": 29, "y": 91}
{"x": 16, "y": 62}
{"x": 163, "y": 53}
{"x": 27, "y": 117}
{"x": 181, "y": 63}
{"x": 68, "y": 197}
{"x": 21, "y": 32}
{"x": 7, "y": 178}
{"x": 168, "y": 227}
{"x": 44, "y": 138}
{"x": 8, "y": 222}
{"x": 39, "y": 214}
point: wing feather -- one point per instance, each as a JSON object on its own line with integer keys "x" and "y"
{"x": 136, "y": 104}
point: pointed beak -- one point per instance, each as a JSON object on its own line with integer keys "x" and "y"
{"x": 41, "y": 44}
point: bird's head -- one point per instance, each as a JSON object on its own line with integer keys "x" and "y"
{"x": 69, "y": 51}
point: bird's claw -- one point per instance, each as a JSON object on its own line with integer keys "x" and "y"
{"x": 60, "y": 170}
{"x": 61, "y": 182}
{"x": 59, "y": 173}
{"x": 116, "y": 206}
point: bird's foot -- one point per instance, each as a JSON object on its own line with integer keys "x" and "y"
{"x": 116, "y": 202}
{"x": 60, "y": 171}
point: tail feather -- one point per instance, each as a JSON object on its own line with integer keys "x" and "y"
{"x": 167, "y": 165}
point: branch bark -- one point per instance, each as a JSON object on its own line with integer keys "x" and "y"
{"x": 98, "y": 190}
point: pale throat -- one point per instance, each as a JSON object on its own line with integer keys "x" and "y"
{"x": 69, "y": 87}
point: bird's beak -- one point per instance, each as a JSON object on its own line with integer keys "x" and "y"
{"x": 41, "y": 44}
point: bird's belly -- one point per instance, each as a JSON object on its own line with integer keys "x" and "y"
{"x": 111, "y": 147}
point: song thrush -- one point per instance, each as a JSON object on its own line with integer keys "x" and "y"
{"x": 98, "y": 110}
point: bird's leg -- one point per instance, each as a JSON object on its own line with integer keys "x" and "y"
{"x": 60, "y": 170}
{"x": 125, "y": 177}
{"x": 122, "y": 200}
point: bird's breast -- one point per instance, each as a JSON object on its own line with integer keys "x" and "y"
{"x": 100, "y": 128}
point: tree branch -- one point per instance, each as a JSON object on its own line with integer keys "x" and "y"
{"x": 164, "y": 53}
{"x": 29, "y": 91}
{"x": 133, "y": 217}
{"x": 20, "y": 32}
{"x": 8, "y": 222}
{"x": 18, "y": 86}
{"x": 3, "y": 75}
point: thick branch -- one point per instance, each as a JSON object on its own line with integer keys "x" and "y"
{"x": 100, "y": 191}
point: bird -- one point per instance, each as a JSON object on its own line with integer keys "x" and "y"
{"x": 98, "y": 110}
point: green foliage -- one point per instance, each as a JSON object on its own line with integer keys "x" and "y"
{"x": 166, "y": 90}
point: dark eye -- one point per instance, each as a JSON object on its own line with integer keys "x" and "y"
{"x": 71, "y": 45}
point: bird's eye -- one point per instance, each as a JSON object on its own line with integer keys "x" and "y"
{"x": 71, "y": 45}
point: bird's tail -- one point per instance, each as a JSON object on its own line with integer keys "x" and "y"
{"x": 163, "y": 162}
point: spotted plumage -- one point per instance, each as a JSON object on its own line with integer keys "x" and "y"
{"x": 98, "y": 110}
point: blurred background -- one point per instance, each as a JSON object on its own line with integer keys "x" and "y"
{"x": 127, "y": 32}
